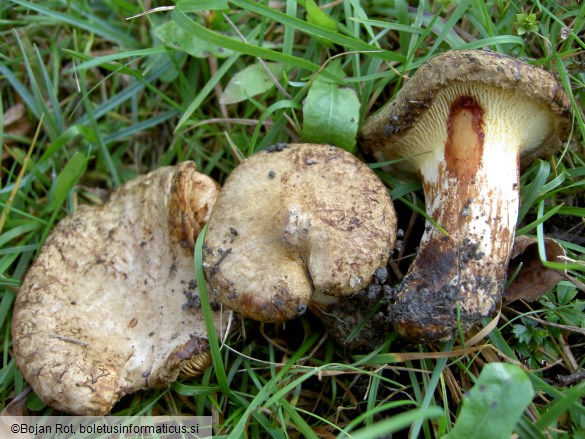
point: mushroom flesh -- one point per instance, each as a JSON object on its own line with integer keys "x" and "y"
{"x": 110, "y": 305}
{"x": 464, "y": 124}
{"x": 294, "y": 225}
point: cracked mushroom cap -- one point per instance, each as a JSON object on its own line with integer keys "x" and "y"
{"x": 110, "y": 306}
{"x": 296, "y": 224}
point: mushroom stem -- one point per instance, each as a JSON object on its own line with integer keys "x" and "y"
{"x": 472, "y": 193}
{"x": 465, "y": 123}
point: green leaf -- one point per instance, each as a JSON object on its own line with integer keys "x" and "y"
{"x": 175, "y": 36}
{"x": 317, "y": 17}
{"x": 34, "y": 403}
{"x": 251, "y": 81}
{"x": 495, "y": 403}
{"x": 331, "y": 113}
{"x": 566, "y": 292}
{"x": 522, "y": 333}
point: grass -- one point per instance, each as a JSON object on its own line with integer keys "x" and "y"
{"x": 91, "y": 99}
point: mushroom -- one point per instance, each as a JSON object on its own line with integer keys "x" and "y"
{"x": 294, "y": 225}
{"x": 464, "y": 124}
{"x": 110, "y": 305}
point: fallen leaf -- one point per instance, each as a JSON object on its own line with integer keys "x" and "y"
{"x": 171, "y": 34}
{"x": 13, "y": 114}
{"x": 15, "y": 123}
{"x": 251, "y": 81}
{"x": 534, "y": 279}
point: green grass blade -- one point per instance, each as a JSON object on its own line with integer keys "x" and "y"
{"x": 541, "y": 219}
{"x": 560, "y": 405}
{"x": 103, "y": 61}
{"x": 218, "y": 366}
{"x": 530, "y": 193}
{"x": 91, "y": 23}
{"x": 271, "y": 386}
{"x": 195, "y": 29}
{"x": 430, "y": 390}
{"x": 349, "y": 43}
{"x": 397, "y": 423}
{"x": 206, "y": 90}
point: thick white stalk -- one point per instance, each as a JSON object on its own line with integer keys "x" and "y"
{"x": 471, "y": 191}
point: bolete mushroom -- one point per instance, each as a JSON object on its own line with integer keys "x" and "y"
{"x": 110, "y": 305}
{"x": 464, "y": 124}
{"x": 295, "y": 225}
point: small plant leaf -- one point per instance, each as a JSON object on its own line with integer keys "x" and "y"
{"x": 34, "y": 403}
{"x": 316, "y": 16}
{"x": 494, "y": 405}
{"x": 172, "y": 35}
{"x": 251, "y": 81}
{"x": 331, "y": 113}
{"x": 522, "y": 333}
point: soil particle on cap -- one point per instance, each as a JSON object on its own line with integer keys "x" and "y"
{"x": 193, "y": 301}
{"x": 277, "y": 147}
{"x": 390, "y": 129}
{"x": 374, "y": 291}
{"x": 381, "y": 275}
{"x": 223, "y": 254}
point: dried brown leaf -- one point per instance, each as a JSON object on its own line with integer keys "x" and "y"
{"x": 534, "y": 279}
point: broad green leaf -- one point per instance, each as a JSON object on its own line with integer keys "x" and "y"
{"x": 316, "y": 16}
{"x": 251, "y": 81}
{"x": 495, "y": 403}
{"x": 175, "y": 36}
{"x": 331, "y": 113}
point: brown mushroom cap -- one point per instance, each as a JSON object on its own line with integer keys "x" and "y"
{"x": 463, "y": 124}
{"x": 294, "y": 224}
{"x": 110, "y": 306}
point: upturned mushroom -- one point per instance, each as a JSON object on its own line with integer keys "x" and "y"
{"x": 110, "y": 305}
{"x": 464, "y": 124}
{"x": 296, "y": 225}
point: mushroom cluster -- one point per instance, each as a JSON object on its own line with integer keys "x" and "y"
{"x": 465, "y": 124}
{"x": 110, "y": 307}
